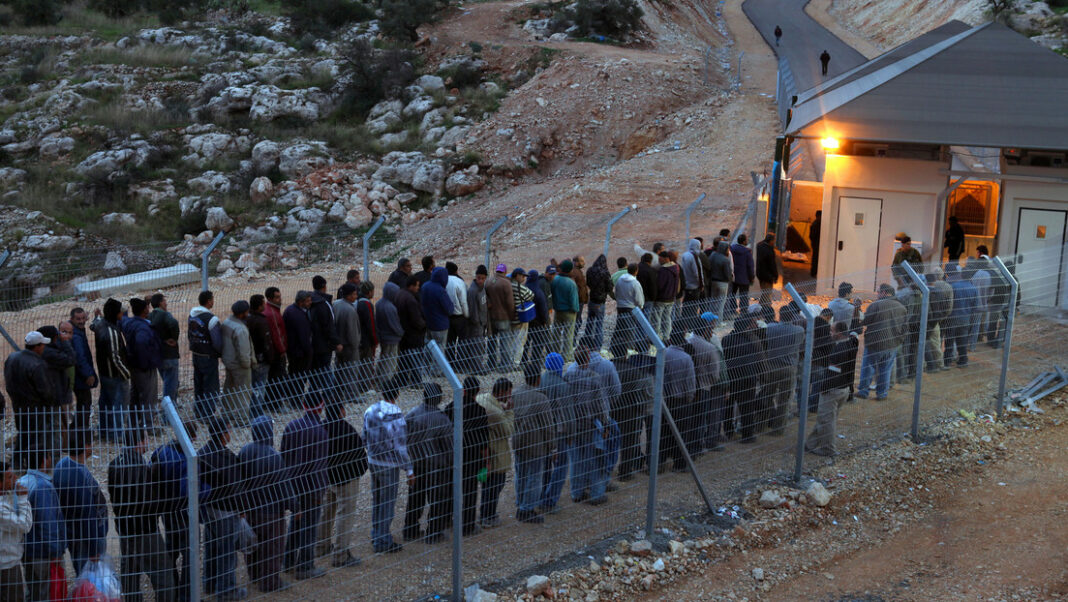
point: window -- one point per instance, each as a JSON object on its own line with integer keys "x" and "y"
{"x": 858, "y": 219}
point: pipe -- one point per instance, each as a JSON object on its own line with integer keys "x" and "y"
{"x": 921, "y": 348}
{"x": 457, "y": 466}
{"x": 608, "y": 229}
{"x": 658, "y": 406}
{"x": 367, "y": 248}
{"x": 1014, "y": 285}
{"x": 689, "y": 210}
{"x": 489, "y": 235}
{"x": 806, "y": 377}
{"x": 193, "y": 489}
{"x": 204, "y": 260}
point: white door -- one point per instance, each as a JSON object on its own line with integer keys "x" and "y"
{"x": 1040, "y": 247}
{"x": 856, "y": 252}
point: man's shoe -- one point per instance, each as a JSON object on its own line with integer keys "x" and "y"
{"x": 625, "y": 477}
{"x": 490, "y": 523}
{"x": 581, "y": 498}
{"x": 413, "y": 535}
{"x": 392, "y": 548}
{"x": 610, "y": 487}
{"x": 238, "y": 593}
{"x": 345, "y": 561}
{"x": 281, "y": 585}
{"x": 860, "y": 395}
{"x": 530, "y": 517}
{"x": 598, "y": 501}
{"x": 475, "y": 530}
{"x": 311, "y": 573}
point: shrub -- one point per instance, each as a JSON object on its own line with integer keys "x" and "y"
{"x": 374, "y": 75}
{"x": 401, "y": 18}
{"x": 324, "y": 16}
{"x": 37, "y": 12}
{"x": 118, "y": 8}
{"x": 463, "y": 74}
{"x": 610, "y": 18}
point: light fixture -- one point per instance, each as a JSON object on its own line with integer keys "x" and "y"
{"x": 830, "y": 143}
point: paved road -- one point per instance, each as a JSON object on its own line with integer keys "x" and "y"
{"x": 803, "y": 40}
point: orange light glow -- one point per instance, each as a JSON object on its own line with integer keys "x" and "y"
{"x": 830, "y": 143}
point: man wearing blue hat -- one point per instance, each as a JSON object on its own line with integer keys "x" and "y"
{"x": 711, "y": 375}
{"x": 557, "y": 390}
{"x": 784, "y": 355}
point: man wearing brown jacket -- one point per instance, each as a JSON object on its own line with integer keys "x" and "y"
{"x": 583, "y": 289}
{"x": 501, "y": 305}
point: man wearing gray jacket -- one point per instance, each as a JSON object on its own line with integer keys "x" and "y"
{"x": 721, "y": 276}
{"x": 941, "y": 305}
{"x": 390, "y": 331}
{"x": 533, "y": 443}
{"x": 629, "y": 298}
{"x": 429, "y": 444}
{"x": 239, "y": 360}
{"x": 347, "y": 324}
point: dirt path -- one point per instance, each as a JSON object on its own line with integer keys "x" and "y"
{"x": 820, "y": 10}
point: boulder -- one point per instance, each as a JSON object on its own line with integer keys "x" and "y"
{"x": 432, "y": 119}
{"x": 216, "y": 220}
{"x": 48, "y": 242}
{"x": 210, "y": 182}
{"x": 207, "y": 147}
{"x": 383, "y": 123}
{"x": 122, "y": 219}
{"x": 11, "y": 177}
{"x": 65, "y": 102}
{"x": 642, "y": 547}
{"x": 419, "y": 106}
{"x": 247, "y": 261}
{"x": 265, "y": 156}
{"x": 54, "y": 147}
{"x": 303, "y": 158}
{"x": 770, "y": 498}
{"x": 270, "y": 103}
{"x": 395, "y": 139}
{"x": 386, "y": 106}
{"x": 225, "y": 265}
{"x": 261, "y": 189}
{"x": 358, "y": 217}
{"x": 429, "y": 177}
{"x": 155, "y": 192}
{"x": 430, "y": 83}
{"x": 818, "y": 494}
{"x": 190, "y": 204}
{"x": 538, "y": 585}
{"x": 462, "y": 183}
{"x": 106, "y": 163}
{"x": 453, "y": 136}
{"x": 113, "y": 263}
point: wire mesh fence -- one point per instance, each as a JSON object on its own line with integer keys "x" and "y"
{"x": 325, "y": 437}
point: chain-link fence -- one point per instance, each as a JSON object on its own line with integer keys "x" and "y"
{"x": 515, "y": 416}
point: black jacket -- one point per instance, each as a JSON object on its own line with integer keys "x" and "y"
{"x": 259, "y": 330}
{"x": 410, "y": 313}
{"x": 324, "y": 335}
{"x": 744, "y": 356}
{"x": 59, "y": 355}
{"x": 28, "y": 381}
{"x": 475, "y": 429}
{"x": 647, "y": 278}
{"x": 767, "y": 270}
{"x": 133, "y": 489}
{"x": 429, "y": 436}
{"x": 348, "y": 456}
{"x": 220, "y": 471}
{"x": 298, "y": 332}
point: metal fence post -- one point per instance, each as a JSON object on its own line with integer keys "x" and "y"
{"x": 367, "y": 249}
{"x": 6, "y": 255}
{"x": 193, "y": 488}
{"x": 204, "y": 260}
{"x": 658, "y": 403}
{"x": 689, "y": 210}
{"x": 1014, "y": 285}
{"x": 921, "y": 348}
{"x": 608, "y": 229}
{"x": 806, "y": 377}
{"x": 457, "y": 465}
{"x": 489, "y": 235}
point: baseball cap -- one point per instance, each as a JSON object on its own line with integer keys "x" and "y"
{"x": 35, "y": 338}
{"x": 709, "y": 317}
{"x": 501, "y": 268}
{"x": 239, "y": 307}
{"x": 550, "y": 269}
{"x": 518, "y": 272}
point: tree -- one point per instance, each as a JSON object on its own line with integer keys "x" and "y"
{"x": 998, "y": 9}
{"x": 402, "y": 18}
{"x": 37, "y": 12}
{"x": 374, "y": 75}
{"x": 321, "y": 17}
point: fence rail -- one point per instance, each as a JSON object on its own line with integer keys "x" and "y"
{"x": 576, "y": 398}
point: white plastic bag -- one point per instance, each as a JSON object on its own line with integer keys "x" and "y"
{"x": 97, "y": 583}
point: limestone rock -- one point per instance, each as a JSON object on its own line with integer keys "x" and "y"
{"x": 538, "y": 585}
{"x": 265, "y": 156}
{"x": 758, "y": 574}
{"x": 358, "y": 217}
{"x": 10, "y": 177}
{"x": 113, "y": 263}
{"x": 217, "y": 220}
{"x": 210, "y": 182}
{"x": 54, "y": 147}
{"x": 261, "y": 189}
{"x": 303, "y": 158}
{"x": 430, "y": 83}
{"x": 271, "y": 102}
{"x": 464, "y": 182}
{"x": 122, "y": 219}
{"x": 770, "y": 498}
{"x": 818, "y": 494}
{"x": 641, "y": 547}
{"x": 48, "y": 242}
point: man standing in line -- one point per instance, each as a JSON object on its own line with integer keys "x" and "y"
{"x": 938, "y": 319}
{"x": 401, "y": 274}
{"x": 566, "y": 304}
{"x": 429, "y": 443}
{"x": 306, "y": 450}
{"x": 587, "y": 479}
{"x": 299, "y": 346}
{"x": 960, "y": 317}
{"x": 474, "y": 354}
{"x": 171, "y": 477}
{"x": 351, "y": 277}
{"x": 767, "y": 267}
{"x": 144, "y": 353}
{"x": 82, "y": 503}
{"x": 557, "y": 390}
{"x": 168, "y": 331}
{"x": 533, "y": 443}
{"x": 693, "y": 285}
{"x": 814, "y": 232}
{"x": 133, "y": 489}
{"x": 954, "y": 240}
{"x": 647, "y": 279}
{"x": 347, "y": 322}
{"x": 629, "y": 298}
{"x": 600, "y": 288}
{"x": 413, "y": 325}
{"x": 390, "y": 331}
{"x": 668, "y": 286}
{"x": 457, "y": 292}
{"x": 365, "y": 309}
{"x": 501, "y": 304}
{"x": 423, "y": 276}
{"x": 437, "y": 307}
{"x": 85, "y": 378}
{"x": 325, "y": 341}
{"x": 522, "y": 297}
{"x": 224, "y": 502}
{"x": 710, "y": 373}
{"x": 744, "y": 274}
{"x": 884, "y": 329}
{"x": 32, "y": 393}
{"x": 579, "y": 262}
{"x": 347, "y": 463}
{"x": 784, "y": 340}
{"x": 259, "y": 331}
{"x": 16, "y": 520}
{"x": 47, "y": 539}
{"x": 386, "y": 435}
{"x": 270, "y": 494}
{"x": 834, "y": 391}
{"x": 277, "y": 372}
{"x": 205, "y": 344}
{"x": 239, "y": 360}
{"x": 538, "y": 336}
{"x": 720, "y": 277}
{"x": 621, "y": 268}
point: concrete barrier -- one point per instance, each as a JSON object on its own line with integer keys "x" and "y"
{"x": 182, "y": 273}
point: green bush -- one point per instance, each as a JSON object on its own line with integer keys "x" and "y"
{"x": 401, "y": 18}
{"x": 609, "y": 18}
{"x": 374, "y": 75}
{"x": 37, "y": 12}
{"x": 320, "y": 17}
{"x": 118, "y": 8}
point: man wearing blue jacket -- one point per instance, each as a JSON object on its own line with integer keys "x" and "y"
{"x": 965, "y": 301}
{"x": 169, "y": 468}
{"x": 385, "y": 432}
{"x": 270, "y": 494}
{"x": 85, "y": 379}
{"x": 437, "y": 306}
{"x": 82, "y": 502}
{"x": 306, "y": 450}
{"x": 47, "y": 539}
{"x": 145, "y": 358}
{"x": 566, "y": 306}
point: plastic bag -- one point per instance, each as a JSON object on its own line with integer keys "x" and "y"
{"x": 246, "y": 537}
{"x": 57, "y": 582}
{"x": 97, "y": 583}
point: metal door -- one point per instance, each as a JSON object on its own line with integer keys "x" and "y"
{"x": 857, "y": 242}
{"x": 1040, "y": 250}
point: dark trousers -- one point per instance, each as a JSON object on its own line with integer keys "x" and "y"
{"x": 83, "y": 407}
{"x": 145, "y": 554}
{"x": 626, "y": 335}
{"x": 299, "y": 368}
{"x": 470, "y": 492}
{"x": 12, "y": 586}
{"x": 300, "y": 547}
{"x": 430, "y": 491}
{"x": 669, "y": 446}
{"x": 744, "y": 397}
{"x": 276, "y": 374}
{"x": 265, "y": 561}
{"x": 539, "y": 341}
{"x": 491, "y": 494}
{"x": 956, "y": 339}
{"x": 143, "y": 387}
{"x": 712, "y": 407}
{"x": 205, "y": 384}
{"x": 739, "y": 300}
{"x": 176, "y": 527}
{"x": 630, "y": 433}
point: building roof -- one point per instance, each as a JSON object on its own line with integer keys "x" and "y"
{"x": 987, "y": 86}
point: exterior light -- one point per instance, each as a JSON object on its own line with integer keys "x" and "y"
{"x": 830, "y": 143}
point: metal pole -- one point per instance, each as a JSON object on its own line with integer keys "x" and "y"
{"x": 193, "y": 488}
{"x": 608, "y": 229}
{"x": 1007, "y": 343}
{"x": 367, "y": 249}
{"x": 204, "y": 260}
{"x": 689, "y": 460}
{"x": 489, "y": 235}
{"x": 6, "y": 255}
{"x": 689, "y": 210}
{"x": 457, "y": 466}
{"x": 806, "y": 377}
{"x": 658, "y": 406}
{"x": 921, "y": 347}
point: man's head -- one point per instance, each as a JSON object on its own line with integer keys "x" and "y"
{"x": 531, "y": 375}
{"x": 390, "y": 391}
{"x": 273, "y": 295}
{"x": 137, "y": 439}
{"x": 632, "y": 269}
{"x": 554, "y": 362}
{"x": 218, "y": 430}
{"x": 405, "y": 265}
{"x": 518, "y": 275}
{"x": 158, "y": 301}
{"x": 481, "y": 273}
{"x": 319, "y": 284}
{"x": 471, "y": 388}
{"x": 953, "y": 220}
{"x": 707, "y": 324}
{"x": 664, "y": 257}
{"x": 906, "y": 241}
{"x": 451, "y": 268}
{"x": 502, "y": 391}
{"x": 769, "y": 238}
{"x": 78, "y": 317}
{"x": 621, "y": 263}
{"x": 428, "y": 263}
{"x": 839, "y": 330}
{"x": 256, "y": 303}
{"x": 579, "y": 261}
{"x": 550, "y": 273}
{"x": 431, "y": 394}
{"x": 303, "y": 299}
{"x": 845, "y": 289}
{"x": 981, "y": 250}
{"x": 412, "y": 284}
{"x": 743, "y": 239}
{"x": 353, "y": 276}
{"x": 657, "y": 247}
{"x": 934, "y": 275}
{"x": 66, "y": 330}
{"x": 79, "y": 446}
{"x": 566, "y": 266}
{"x": 138, "y": 307}
{"x": 7, "y": 477}
{"x": 206, "y": 299}
{"x": 348, "y": 292}
{"x": 240, "y": 309}
{"x": 724, "y": 232}
{"x": 647, "y": 258}
{"x": 36, "y": 342}
{"x": 112, "y": 310}
{"x": 582, "y": 356}
{"x": 826, "y": 315}
{"x": 788, "y": 313}
{"x": 501, "y": 269}
{"x": 885, "y": 291}
{"x": 367, "y": 290}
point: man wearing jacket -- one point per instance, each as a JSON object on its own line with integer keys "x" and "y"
{"x": 429, "y": 443}
{"x": 306, "y": 450}
{"x": 325, "y": 341}
{"x": 566, "y": 305}
{"x": 414, "y": 326}
{"x": 16, "y": 520}
{"x": 693, "y": 278}
{"x": 647, "y": 279}
{"x": 222, "y": 507}
{"x": 521, "y": 296}
{"x": 168, "y": 464}
{"x": 437, "y": 306}
{"x": 84, "y": 507}
{"x": 474, "y": 353}
{"x": 744, "y": 274}
{"x": 347, "y": 463}
{"x": 386, "y": 435}
{"x": 390, "y": 331}
{"x": 85, "y": 378}
{"x": 270, "y": 494}
{"x": 884, "y": 329}
{"x": 941, "y": 305}
{"x": 59, "y": 356}
{"x": 501, "y": 304}
{"x": 558, "y": 392}
{"x": 767, "y": 267}
{"x": 579, "y": 262}
{"x": 299, "y": 346}
{"x": 784, "y": 340}
{"x": 47, "y": 539}
{"x": 347, "y": 323}
{"x": 239, "y": 360}
{"x": 32, "y": 393}
{"x": 668, "y": 285}
{"x": 263, "y": 354}
{"x": 533, "y": 442}
{"x": 205, "y": 345}
{"x": 599, "y": 283}
{"x": 629, "y": 298}
{"x": 143, "y": 351}
{"x": 540, "y": 340}
{"x": 720, "y": 277}
{"x": 365, "y": 310}
{"x": 588, "y": 397}
{"x": 168, "y": 331}
{"x": 133, "y": 489}
{"x": 111, "y": 361}
{"x": 965, "y": 301}
{"x": 457, "y": 291}
{"x": 277, "y": 326}
{"x": 834, "y": 390}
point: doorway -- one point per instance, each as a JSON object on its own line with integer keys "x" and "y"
{"x": 1040, "y": 249}
{"x": 859, "y": 229}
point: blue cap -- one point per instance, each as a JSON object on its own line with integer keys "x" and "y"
{"x": 554, "y": 362}
{"x": 709, "y": 317}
